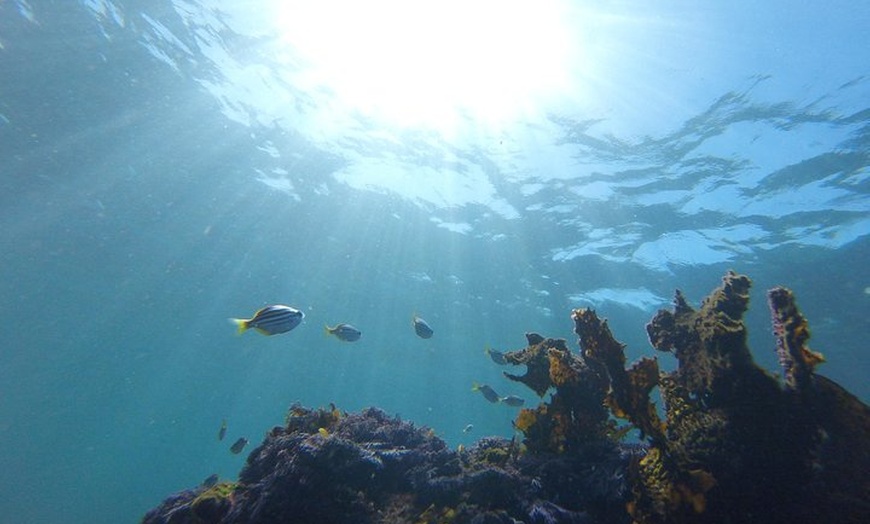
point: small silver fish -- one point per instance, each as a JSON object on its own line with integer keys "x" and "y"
{"x": 271, "y": 320}
{"x": 422, "y": 328}
{"x": 512, "y": 400}
{"x": 344, "y": 332}
{"x": 223, "y": 431}
{"x": 495, "y": 356}
{"x": 239, "y": 445}
{"x": 468, "y": 428}
{"x": 487, "y": 392}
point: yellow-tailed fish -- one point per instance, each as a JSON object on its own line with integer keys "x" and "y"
{"x": 487, "y": 392}
{"x": 344, "y": 332}
{"x": 271, "y": 320}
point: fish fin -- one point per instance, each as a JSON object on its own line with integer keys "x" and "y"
{"x": 263, "y": 331}
{"x": 327, "y": 330}
{"x": 487, "y": 350}
{"x": 241, "y": 324}
{"x": 475, "y": 386}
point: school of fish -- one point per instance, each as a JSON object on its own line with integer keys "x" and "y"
{"x": 276, "y": 319}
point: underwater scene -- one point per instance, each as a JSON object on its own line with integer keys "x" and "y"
{"x": 434, "y": 262}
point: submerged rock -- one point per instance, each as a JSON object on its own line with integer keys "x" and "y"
{"x": 736, "y": 444}
{"x": 328, "y": 467}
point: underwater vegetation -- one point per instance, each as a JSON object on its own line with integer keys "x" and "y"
{"x": 733, "y": 443}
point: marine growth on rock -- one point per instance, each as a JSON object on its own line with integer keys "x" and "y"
{"x": 730, "y": 442}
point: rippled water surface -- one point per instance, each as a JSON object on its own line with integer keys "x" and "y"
{"x": 166, "y": 165}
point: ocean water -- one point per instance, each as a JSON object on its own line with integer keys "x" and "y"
{"x": 166, "y": 165}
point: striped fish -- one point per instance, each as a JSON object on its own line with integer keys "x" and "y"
{"x": 271, "y": 320}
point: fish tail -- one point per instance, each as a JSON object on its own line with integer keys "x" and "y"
{"x": 327, "y": 330}
{"x": 475, "y": 386}
{"x": 241, "y": 324}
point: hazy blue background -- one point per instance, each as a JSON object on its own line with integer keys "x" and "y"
{"x": 165, "y": 165}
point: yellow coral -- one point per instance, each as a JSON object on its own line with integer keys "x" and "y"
{"x": 613, "y": 405}
{"x": 526, "y": 419}
{"x": 431, "y": 515}
{"x": 561, "y": 372}
{"x": 702, "y": 480}
{"x": 217, "y": 494}
{"x": 812, "y": 358}
{"x": 699, "y": 502}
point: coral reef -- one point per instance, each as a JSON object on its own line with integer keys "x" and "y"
{"x": 628, "y": 397}
{"x": 730, "y": 443}
{"x": 575, "y": 415}
{"x": 738, "y": 445}
{"x": 328, "y": 467}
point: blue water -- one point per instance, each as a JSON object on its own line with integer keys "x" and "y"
{"x": 166, "y": 165}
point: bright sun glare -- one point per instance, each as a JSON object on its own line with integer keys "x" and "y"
{"x": 431, "y": 63}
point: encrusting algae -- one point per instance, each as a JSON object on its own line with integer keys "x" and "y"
{"x": 575, "y": 414}
{"x": 738, "y": 443}
{"x": 735, "y": 441}
{"x": 732, "y": 443}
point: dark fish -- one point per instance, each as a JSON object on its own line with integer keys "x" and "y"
{"x": 344, "y": 332}
{"x": 223, "y": 431}
{"x": 239, "y": 445}
{"x": 496, "y": 356}
{"x": 422, "y": 328}
{"x": 512, "y": 400}
{"x": 271, "y": 320}
{"x": 212, "y": 480}
{"x": 488, "y": 393}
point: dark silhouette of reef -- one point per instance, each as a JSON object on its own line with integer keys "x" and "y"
{"x": 732, "y": 443}
{"x": 324, "y": 466}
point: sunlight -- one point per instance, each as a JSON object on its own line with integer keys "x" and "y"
{"x": 431, "y": 64}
